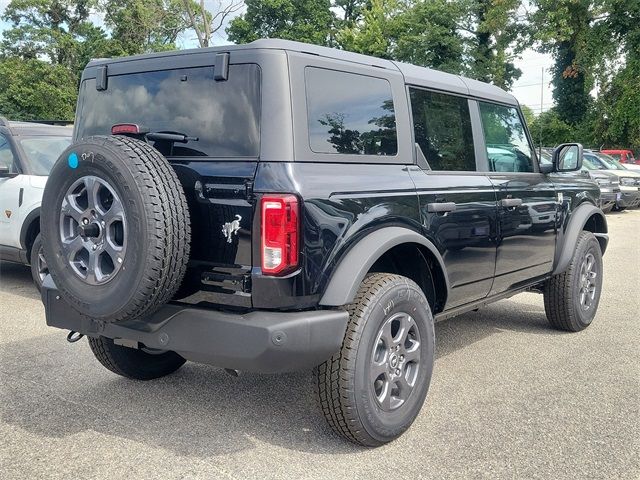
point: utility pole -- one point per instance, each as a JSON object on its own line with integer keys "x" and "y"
{"x": 541, "y": 104}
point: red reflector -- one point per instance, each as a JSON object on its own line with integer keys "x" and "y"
{"x": 121, "y": 128}
{"x": 279, "y": 236}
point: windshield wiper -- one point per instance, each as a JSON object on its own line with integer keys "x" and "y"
{"x": 173, "y": 137}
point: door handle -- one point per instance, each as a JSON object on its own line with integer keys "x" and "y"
{"x": 441, "y": 207}
{"x": 511, "y": 202}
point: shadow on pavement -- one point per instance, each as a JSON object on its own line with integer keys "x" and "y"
{"x": 16, "y": 279}
{"x": 55, "y": 389}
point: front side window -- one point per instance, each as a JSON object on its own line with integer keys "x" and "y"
{"x": 609, "y": 162}
{"x": 508, "y": 149}
{"x": 222, "y": 118}
{"x": 349, "y": 113}
{"x": 442, "y": 127}
{"x": 6, "y": 155}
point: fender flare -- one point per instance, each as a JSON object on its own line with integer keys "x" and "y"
{"x": 348, "y": 275}
{"x": 33, "y": 214}
{"x": 577, "y": 222}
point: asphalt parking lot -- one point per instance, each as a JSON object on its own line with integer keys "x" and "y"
{"x": 509, "y": 398}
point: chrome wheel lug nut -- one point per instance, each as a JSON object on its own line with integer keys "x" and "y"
{"x": 85, "y": 221}
{"x": 397, "y": 371}
{"x": 402, "y": 358}
{"x": 95, "y": 247}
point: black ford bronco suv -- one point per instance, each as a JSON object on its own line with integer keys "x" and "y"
{"x": 279, "y": 206}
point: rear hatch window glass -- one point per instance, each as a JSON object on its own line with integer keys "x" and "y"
{"x": 224, "y": 116}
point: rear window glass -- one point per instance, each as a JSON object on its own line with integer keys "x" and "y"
{"x": 350, "y": 113}
{"x": 223, "y": 116}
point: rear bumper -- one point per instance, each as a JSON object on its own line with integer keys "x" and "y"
{"x": 258, "y": 341}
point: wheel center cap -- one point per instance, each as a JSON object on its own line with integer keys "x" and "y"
{"x": 393, "y": 361}
{"x": 91, "y": 230}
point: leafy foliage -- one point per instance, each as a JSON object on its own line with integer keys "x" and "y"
{"x": 306, "y": 21}
{"x": 32, "y": 89}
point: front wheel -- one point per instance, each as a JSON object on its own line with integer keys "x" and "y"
{"x": 571, "y": 298}
{"x": 372, "y": 390}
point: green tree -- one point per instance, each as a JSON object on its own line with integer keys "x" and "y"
{"x": 307, "y": 21}
{"x": 573, "y": 32}
{"x": 372, "y": 34}
{"x": 143, "y": 26}
{"x": 529, "y": 116}
{"x": 496, "y": 37}
{"x": 209, "y": 22}
{"x": 428, "y": 34}
{"x": 58, "y": 30}
{"x": 32, "y": 89}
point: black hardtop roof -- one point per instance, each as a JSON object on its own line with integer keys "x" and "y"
{"x": 413, "y": 74}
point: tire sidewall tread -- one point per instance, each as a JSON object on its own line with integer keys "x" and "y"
{"x": 157, "y": 222}
{"x": 342, "y": 389}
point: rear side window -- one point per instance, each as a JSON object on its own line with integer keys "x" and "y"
{"x": 508, "y": 149}
{"x": 442, "y": 127}
{"x": 350, "y": 113}
{"x": 223, "y": 116}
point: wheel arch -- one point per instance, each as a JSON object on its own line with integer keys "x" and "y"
{"x": 378, "y": 252}
{"x": 586, "y": 217}
{"x": 30, "y": 229}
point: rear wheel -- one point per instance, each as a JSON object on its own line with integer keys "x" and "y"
{"x": 39, "y": 268}
{"x": 571, "y": 298}
{"x": 372, "y": 390}
{"x": 134, "y": 363}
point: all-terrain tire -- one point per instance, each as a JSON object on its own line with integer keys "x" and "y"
{"x": 347, "y": 398}
{"x": 563, "y": 292}
{"x": 37, "y": 263}
{"x": 157, "y": 232}
{"x": 134, "y": 363}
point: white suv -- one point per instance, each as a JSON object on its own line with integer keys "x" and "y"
{"x": 27, "y": 153}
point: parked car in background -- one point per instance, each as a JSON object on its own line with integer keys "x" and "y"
{"x": 622, "y": 156}
{"x": 608, "y": 182}
{"x": 27, "y": 153}
{"x": 629, "y": 180}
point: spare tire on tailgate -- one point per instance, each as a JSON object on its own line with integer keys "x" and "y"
{"x": 115, "y": 228}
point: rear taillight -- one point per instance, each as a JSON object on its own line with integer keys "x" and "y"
{"x": 279, "y": 238}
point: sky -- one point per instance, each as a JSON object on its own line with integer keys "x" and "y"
{"x": 527, "y": 89}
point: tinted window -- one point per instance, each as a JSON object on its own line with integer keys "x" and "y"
{"x": 617, "y": 156}
{"x": 224, "y": 116}
{"x": 508, "y": 148}
{"x": 6, "y": 155}
{"x": 349, "y": 113}
{"x": 42, "y": 152}
{"x": 609, "y": 162}
{"x": 591, "y": 162}
{"x": 442, "y": 128}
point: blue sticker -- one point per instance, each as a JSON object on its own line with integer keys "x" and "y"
{"x": 73, "y": 160}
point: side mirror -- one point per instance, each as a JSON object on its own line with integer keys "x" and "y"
{"x": 5, "y": 172}
{"x": 568, "y": 157}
